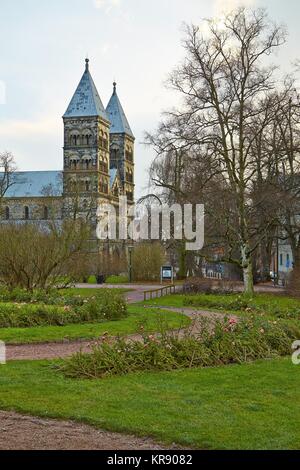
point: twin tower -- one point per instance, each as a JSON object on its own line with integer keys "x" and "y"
{"x": 98, "y": 145}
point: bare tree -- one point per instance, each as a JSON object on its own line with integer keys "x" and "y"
{"x": 7, "y": 170}
{"x": 147, "y": 261}
{"x": 32, "y": 257}
{"x": 226, "y": 88}
{"x": 286, "y": 147}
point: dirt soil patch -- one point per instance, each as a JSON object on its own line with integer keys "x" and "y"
{"x": 18, "y": 432}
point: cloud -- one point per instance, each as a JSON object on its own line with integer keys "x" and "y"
{"x": 223, "y": 6}
{"x": 46, "y": 126}
{"x": 2, "y": 92}
{"x": 107, "y": 5}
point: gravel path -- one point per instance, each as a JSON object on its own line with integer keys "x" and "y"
{"x": 66, "y": 349}
{"x": 18, "y": 432}
{"x": 55, "y": 350}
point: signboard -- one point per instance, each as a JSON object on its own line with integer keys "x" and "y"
{"x": 167, "y": 273}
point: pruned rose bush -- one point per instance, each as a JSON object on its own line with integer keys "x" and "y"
{"x": 61, "y": 310}
{"x": 227, "y": 342}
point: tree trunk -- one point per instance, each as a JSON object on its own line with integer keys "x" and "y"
{"x": 182, "y": 261}
{"x": 296, "y": 254}
{"x": 263, "y": 261}
{"x": 248, "y": 279}
{"x": 247, "y": 271}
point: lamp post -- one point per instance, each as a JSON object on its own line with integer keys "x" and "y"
{"x": 130, "y": 250}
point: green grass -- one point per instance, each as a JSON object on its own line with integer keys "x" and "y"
{"x": 117, "y": 280}
{"x": 131, "y": 324}
{"x": 252, "y": 406}
{"x": 90, "y": 292}
{"x": 271, "y": 304}
{"x": 174, "y": 300}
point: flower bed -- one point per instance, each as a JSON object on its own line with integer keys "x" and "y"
{"x": 229, "y": 342}
{"x": 60, "y": 310}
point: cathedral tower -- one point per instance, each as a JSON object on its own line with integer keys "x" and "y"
{"x": 121, "y": 144}
{"x": 86, "y": 174}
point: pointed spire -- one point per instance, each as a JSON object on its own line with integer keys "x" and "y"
{"x": 116, "y": 114}
{"x": 86, "y": 101}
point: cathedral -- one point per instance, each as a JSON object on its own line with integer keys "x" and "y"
{"x": 98, "y": 162}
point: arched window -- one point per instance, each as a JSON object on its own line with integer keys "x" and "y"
{"x": 87, "y": 164}
{"x": 105, "y": 141}
{"x": 26, "y": 212}
{"x": 114, "y": 154}
{"x": 103, "y": 165}
{"x": 46, "y": 213}
{"x": 73, "y": 186}
{"x": 129, "y": 176}
{"x": 7, "y": 213}
{"x": 88, "y": 138}
{"x": 103, "y": 186}
{"x": 75, "y": 139}
{"x": 129, "y": 154}
{"x": 73, "y": 164}
{"x": 101, "y": 139}
{"x": 87, "y": 185}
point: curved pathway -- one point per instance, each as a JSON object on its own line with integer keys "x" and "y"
{"x": 65, "y": 349}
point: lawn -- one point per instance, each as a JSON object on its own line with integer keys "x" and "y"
{"x": 258, "y": 303}
{"x": 110, "y": 280}
{"x": 90, "y": 291}
{"x": 131, "y": 324}
{"x": 250, "y": 406}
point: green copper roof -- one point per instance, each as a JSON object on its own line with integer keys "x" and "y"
{"x": 86, "y": 100}
{"x": 117, "y": 117}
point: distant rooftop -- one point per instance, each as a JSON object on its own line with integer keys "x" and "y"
{"x": 86, "y": 100}
{"x": 41, "y": 183}
{"x": 117, "y": 117}
{"x": 35, "y": 184}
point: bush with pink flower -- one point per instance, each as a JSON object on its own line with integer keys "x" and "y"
{"x": 228, "y": 342}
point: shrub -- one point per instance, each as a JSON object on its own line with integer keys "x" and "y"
{"x": 24, "y": 316}
{"x": 15, "y": 295}
{"x": 31, "y": 256}
{"x": 110, "y": 306}
{"x": 227, "y": 342}
{"x": 63, "y": 310}
{"x": 147, "y": 259}
{"x": 203, "y": 285}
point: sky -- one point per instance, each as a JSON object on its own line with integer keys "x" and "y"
{"x": 43, "y": 46}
